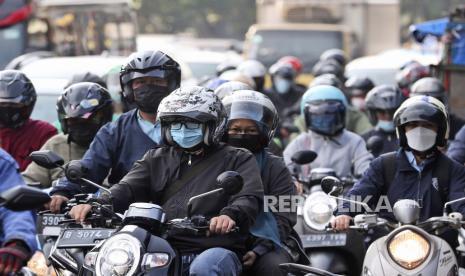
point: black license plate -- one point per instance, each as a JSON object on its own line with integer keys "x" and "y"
{"x": 324, "y": 240}
{"x": 83, "y": 237}
{"x": 48, "y": 224}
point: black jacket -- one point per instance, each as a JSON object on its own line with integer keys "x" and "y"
{"x": 159, "y": 168}
{"x": 277, "y": 181}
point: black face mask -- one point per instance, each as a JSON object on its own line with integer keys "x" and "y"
{"x": 82, "y": 134}
{"x": 148, "y": 97}
{"x": 13, "y": 117}
{"x": 247, "y": 141}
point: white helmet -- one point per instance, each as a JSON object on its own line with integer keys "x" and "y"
{"x": 229, "y": 87}
{"x": 234, "y": 75}
{"x": 255, "y": 106}
{"x": 252, "y": 68}
{"x": 197, "y": 103}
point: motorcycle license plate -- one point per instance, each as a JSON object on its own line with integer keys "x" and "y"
{"x": 47, "y": 224}
{"x": 324, "y": 240}
{"x": 83, "y": 237}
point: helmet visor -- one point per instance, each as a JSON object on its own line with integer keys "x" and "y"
{"x": 251, "y": 111}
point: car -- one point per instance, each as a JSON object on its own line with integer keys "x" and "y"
{"x": 382, "y": 68}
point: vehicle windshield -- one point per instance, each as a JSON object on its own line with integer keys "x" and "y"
{"x": 269, "y": 45}
{"x": 13, "y": 39}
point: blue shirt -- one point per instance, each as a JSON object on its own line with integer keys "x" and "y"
{"x": 411, "y": 159}
{"x": 152, "y": 130}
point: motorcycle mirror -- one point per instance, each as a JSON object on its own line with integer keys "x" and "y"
{"x": 332, "y": 185}
{"x": 231, "y": 182}
{"x": 21, "y": 198}
{"x": 375, "y": 145}
{"x": 47, "y": 159}
{"x": 304, "y": 157}
{"x": 291, "y": 128}
{"x": 75, "y": 172}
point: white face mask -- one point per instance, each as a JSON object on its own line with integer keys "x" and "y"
{"x": 358, "y": 103}
{"x": 421, "y": 139}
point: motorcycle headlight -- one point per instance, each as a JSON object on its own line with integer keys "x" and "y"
{"x": 318, "y": 210}
{"x": 119, "y": 255}
{"x": 409, "y": 249}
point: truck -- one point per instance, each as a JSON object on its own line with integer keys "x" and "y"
{"x": 305, "y": 28}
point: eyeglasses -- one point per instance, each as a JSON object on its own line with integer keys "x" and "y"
{"x": 188, "y": 125}
{"x": 250, "y": 131}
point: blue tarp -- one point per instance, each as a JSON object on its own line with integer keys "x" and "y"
{"x": 439, "y": 27}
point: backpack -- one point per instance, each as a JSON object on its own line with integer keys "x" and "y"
{"x": 441, "y": 171}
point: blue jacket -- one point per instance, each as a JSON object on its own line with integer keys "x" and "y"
{"x": 456, "y": 149}
{"x": 408, "y": 183}
{"x": 15, "y": 225}
{"x": 114, "y": 150}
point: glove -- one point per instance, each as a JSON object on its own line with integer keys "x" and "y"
{"x": 13, "y": 257}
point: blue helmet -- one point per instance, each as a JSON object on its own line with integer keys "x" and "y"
{"x": 321, "y": 93}
{"x": 324, "y": 108}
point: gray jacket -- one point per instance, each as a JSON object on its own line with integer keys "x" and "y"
{"x": 345, "y": 153}
{"x": 60, "y": 145}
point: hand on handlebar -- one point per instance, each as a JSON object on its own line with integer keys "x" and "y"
{"x": 80, "y": 212}
{"x": 55, "y": 203}
{"x": 221, "y": 225}
{"x": 341, "y": 223}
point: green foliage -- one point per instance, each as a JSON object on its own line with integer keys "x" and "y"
{"x": 203, "y": 18}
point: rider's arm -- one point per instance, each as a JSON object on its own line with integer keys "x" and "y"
{"x": 134, "y": 187}
{"x": 371, "y": 184}
{"x": 97, "y": 159}
{"x": 243, "y": 208}
{"x": 361, "y": 158}
{"x": 456, "y": 148}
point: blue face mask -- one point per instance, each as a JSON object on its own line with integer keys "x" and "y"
{"x": 187, "y": 138}
{"x": 282, "y": 85}
{"x": 387, "y": 126}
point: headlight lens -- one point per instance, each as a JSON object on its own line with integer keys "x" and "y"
{"x": 409, "y": 249}
{"x": 119, "y": 255}
{"x": 154, "y": 260}
{"x": 318, "y": 210}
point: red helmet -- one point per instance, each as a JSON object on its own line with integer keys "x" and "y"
{"x": 293, "y": 61}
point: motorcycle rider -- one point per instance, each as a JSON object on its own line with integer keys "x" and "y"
{"x": 335, "y": 54}
{"x": 381, "y": 103}
{"x": 409, "y": 74}
{"x": 193, "y": 121}
{"x": 433, "y": 87}
{"x": 83, "y": 109}
{"x": 255, "y": 70}
{"x": 17, "y": 99}
{"x": 324, "y": 110}
{"x": 284, "y": 93}
{"x": 418, "y": 170}
{"x": 145, "y": 80}
{"x": 252, "y": 121}
{"x": 356, "y": 89}
{"x": 18, "y": 241}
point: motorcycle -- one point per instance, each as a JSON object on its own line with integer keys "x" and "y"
{"x": 411, "y": 247}
{"x": 335, "y": 252}
{"x": 135, "y": 243}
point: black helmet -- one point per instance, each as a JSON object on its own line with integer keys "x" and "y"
{"x": 426, "y": 109}
{"x": 255, "y": 106}
{"x": 358, "y": 86}
{"x": 17, "y": 98}
{"x": 149, "y": 64}
{"x": 87, "y": 77}
{"x": 326, "y": 79}
{"x": 328, "y": 67}
{"x": 334, "y": 54}
{"x": 429, "y": 87}
{"x": 82, "y": 109}
{"x": 194, "y": 103}
{"x": 383, "y": 97}
{"x": 283, "y": 70}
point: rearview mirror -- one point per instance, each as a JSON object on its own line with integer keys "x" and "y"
{"x": 231, "y": 182}
{"x": 375, "y": 145}
{"x": 21, "y": 198}
{"x": 47, "y": 159}
{"x": 332, "y": 185}
{"x": 304, "y": 157}
{"x": 74, "y": 171}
